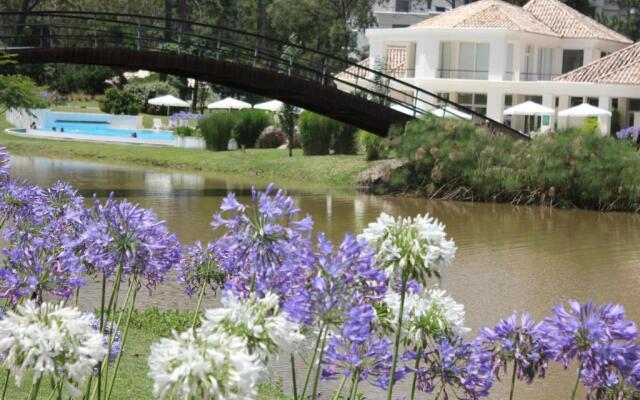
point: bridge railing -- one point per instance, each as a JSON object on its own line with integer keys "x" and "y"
{"x": 56, "y": 29}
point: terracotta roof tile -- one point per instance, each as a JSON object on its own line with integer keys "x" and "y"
{"x": 621, "y": 67}
{"x": 568, "y": 22}
{"x": 485, "y": 14}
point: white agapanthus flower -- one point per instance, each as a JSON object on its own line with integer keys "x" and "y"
{"x": 417, "y": 245}
{"x": 52, "y": 341}
{"x": 431, "y": 313}
{"x": 196, "y": 366}
{"x": 260, "y": 322}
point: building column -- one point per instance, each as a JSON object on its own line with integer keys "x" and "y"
{"x": 495, "y": 106}
{"x": 547, "y": 101}
{"x": 376, "y": 52}
{"x": 563, "y": 104}
{"x": 497, "y": 60}
{"x": 427, "y": 58}
{"x": 604, "y": 122}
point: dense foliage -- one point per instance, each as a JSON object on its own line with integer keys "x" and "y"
{"x": 374, "y": 146}
{"x": 455, "y": 160}
{"x": 271, "y": 138}
{"x": 17, "y": 91}
{"x": 249, "y": 126}
{"x": 121, "y": 101}
{"x": 320, "y": 134}
{"x": 216, "y": 129}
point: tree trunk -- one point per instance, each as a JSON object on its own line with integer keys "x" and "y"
{"x": 194, "y": 103}
{"x": 25, "y": 7}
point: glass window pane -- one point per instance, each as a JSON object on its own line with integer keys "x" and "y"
{"x": 466, "y": 60}
{"x": 480, "y": 99}
{"x": 465, "y": 98}
{"x": 482, "y": 61}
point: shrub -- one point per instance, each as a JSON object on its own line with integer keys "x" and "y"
{"x": 185, "y": 131}
{"x": 316, "y": 132}
{"x": 216, "y": 129}
{"x": 121, "y": 101}
{"x": 271, "y": 138}
{"x": 344, "y": 139}
{"x": 145, "y": 90}
{"x": 374, "y": 146}
{"x": 457, "y": 160}
{"x": 591, "y": 125}
{"x": 249, "y": 125}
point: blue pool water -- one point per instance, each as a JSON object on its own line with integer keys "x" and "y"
{"x": 97, "y": 128}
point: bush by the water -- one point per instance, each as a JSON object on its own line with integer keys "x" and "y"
{"x": 374, "y": 146}
{"x": 216, "y": 129}
{"x": 271, "y": 138}
{"x": 456, "y": 160}
{"x": 185, "y": 131}
{"x": 249, "y": 126}
{"x": 318, "y": 134}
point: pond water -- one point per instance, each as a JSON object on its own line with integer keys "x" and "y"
{"x": 509, "y": 258}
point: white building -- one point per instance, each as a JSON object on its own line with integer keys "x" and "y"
{"x": 490, "y": 54}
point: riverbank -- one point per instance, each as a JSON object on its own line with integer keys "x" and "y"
{"x": 271, "y": 165}
{"x": 133, "y": 383}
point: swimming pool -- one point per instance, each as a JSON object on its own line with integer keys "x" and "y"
{"x": 104, "y": 129}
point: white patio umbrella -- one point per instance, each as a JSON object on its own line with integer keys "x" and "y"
{"x": 584, "y": 110}
{"x": 450, "y": 112}
{"x": 228, "y": 104}
{"x": 529, "y": 108}
{"x": 168, "y": 101}
{"x": 273, "y": 106}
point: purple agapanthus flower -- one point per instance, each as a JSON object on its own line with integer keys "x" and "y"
{"x": 631, "y": 132}
{"x": 265, "y": 246}
{"x": 4, "y": 164}
{"x": 600, "y": 338}
{"x": 200, "y": 267}
{"x": 516, "y": 340}
{"x": 30, "y": 270}
{"x": 123, "y": 235}
{"x": 359, "y": 351}
{"x": 456, "y": 367}
{"x": 338, "y": 279}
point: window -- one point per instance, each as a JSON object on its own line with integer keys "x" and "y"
{"x": 634, "y": 104}
{"x": 509, "y": 67}
{"x": 575, "y": 101}
{"x": 557, "y": 102}
{"x": 473, "y": 61}
{"x": 508, "y": 100}
{"x": 475, "y": 101}
{"x": 399, "y": 25}
{"x": 593, "y": 101}
{"x": 403, "y": 5}
{"x": 604, "y": 53}
{"x": 445, "y": 60}
{"x": 545, "y": 63}
{"x": 441, "y": 9}
{"x": 528, "y": 63}
{"x": 614, "y": 103}
{"x": 571, "y": 59}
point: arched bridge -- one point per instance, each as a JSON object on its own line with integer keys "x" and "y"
{"x": 316, "y": 81}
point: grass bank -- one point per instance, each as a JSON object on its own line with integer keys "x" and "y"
{"x": 262, "y": 164}
{"x": 148, "y": 327}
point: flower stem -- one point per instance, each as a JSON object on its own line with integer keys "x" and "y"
{"x": 311, "y": 363}
{"x": 77, "y": 296}
{"x": 33, "y": 394}
{"x": 102, "y": 328}
{"x": 6, "y": 384}
{"x": 396, "y": 347}
{"x": 124, "y": 339}
{"x": 336, "y": 396}
{"x": 354, "y": 392}
{"x": 575, "y": 387}
{"x": 293, "y": 377}
{"x": 415, "y": 373}
{"x": 314, "y": 395}
{"x": 513, "y": 381}
{"x": 197, "y": 312}
{"x": 440, "y": 391}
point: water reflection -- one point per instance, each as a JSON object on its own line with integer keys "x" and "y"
{"x": 509, "y": 258}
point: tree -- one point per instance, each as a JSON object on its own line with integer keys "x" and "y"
{"x": 628, "y": 22}
{"x": 17, "y": 91}
{"x": 325, "y": 25}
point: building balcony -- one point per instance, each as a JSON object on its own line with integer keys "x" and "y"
{"x": 534, "y": 76}
{"x": 463, "y": 74}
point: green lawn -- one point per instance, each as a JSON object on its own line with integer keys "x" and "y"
{"x": 256, "y": 164}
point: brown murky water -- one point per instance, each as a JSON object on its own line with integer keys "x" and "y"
{"x": 509, "y": 258}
